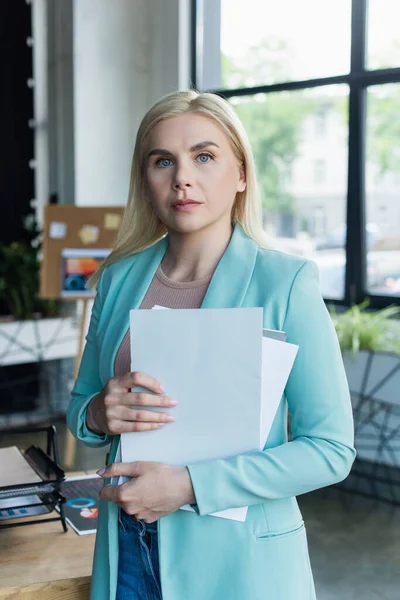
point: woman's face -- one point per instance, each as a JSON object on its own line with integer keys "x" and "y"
{"x": 191, "y": 173}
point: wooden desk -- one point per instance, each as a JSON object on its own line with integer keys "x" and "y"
{"x": 41, "y": 561}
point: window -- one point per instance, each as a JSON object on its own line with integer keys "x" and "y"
{"x": 273, "y": 45}
{"x": 317, "y": 86}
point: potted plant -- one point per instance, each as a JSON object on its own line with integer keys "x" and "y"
{"x": 19, "y": 276}
{"x": 370, "y": 344}
{"x": 359, "y": 329}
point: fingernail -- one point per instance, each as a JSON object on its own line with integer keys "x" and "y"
{"x": 162, "y": 390}
{"x": 101, "y": 471}
{"x": 161, "y": 425}
{"x": 172, "y": 402}
{"x": 169, "y": 418}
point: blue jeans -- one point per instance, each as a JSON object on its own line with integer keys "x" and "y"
{"x": 138, "y": 567}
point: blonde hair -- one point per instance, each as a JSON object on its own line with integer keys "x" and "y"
{"x": 140, "y": 226}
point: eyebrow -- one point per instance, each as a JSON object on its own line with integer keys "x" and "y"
{"x": 196, "y": 147}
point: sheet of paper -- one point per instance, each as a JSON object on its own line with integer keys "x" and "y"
{"x": 117, "y": 480}
{"x": 232, "y": 333}
{"x": 112, "y": 221}
{"x": 17, "y": 501}
{"x": 89, "y": 234}
{"x": 13, "y": 508}
{"x": 277, "y": 362}
{"x": 14, "y": 469}
{"x": 57, "y": 230}
{"x": 233, "y": 514}
{"x": 182, "y": 349}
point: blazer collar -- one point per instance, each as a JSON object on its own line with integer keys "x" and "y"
{"x": 232, "y": 276}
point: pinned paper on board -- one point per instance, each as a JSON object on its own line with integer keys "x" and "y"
{"x": 57, "y": 231}
{"x": 89, "y": 234}
{"x": 112, "y": 221}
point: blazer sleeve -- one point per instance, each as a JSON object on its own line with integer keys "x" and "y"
{"x": 88, "y": 382}
{"x": 321, "y": 451}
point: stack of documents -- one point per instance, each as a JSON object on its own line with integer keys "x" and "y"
{"x": 227, "y": 374}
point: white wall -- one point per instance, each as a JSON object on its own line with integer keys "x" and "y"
{"x": 125, "y": 55}
{"x": 40, "y": 106}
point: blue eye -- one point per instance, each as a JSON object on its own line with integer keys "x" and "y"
{"x": 164, "y": 162}
{"x": 204, "y": 158}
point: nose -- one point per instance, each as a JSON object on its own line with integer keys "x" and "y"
{"x": 182, "y": 178}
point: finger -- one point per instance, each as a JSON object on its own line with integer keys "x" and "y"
{"x": 118, "y": 469}
{"x": 143, "y": 399}
{"x": 144, "y": 416}
{"x": 143, "y": 380}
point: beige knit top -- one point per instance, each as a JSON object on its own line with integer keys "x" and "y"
{"x": 163, "y": 292}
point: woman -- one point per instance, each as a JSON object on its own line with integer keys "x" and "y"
{"x": 193, "y": 178}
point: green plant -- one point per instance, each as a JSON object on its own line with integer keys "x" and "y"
{"x": 19, "y": 276}
{"x": 360, "y": 329}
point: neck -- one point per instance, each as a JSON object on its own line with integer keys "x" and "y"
{"x": 192, "y": 256}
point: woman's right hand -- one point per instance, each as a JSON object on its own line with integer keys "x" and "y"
{"x": 111, "y": 410}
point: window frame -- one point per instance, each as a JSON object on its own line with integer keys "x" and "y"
{"x": 358, "y": 80}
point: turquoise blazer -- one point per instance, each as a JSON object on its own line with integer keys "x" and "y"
{"x": 209, "y": 558}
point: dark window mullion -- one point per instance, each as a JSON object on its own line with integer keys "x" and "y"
{"x": 193, "y": 45}
{"x": 358, "y": 36}
{"x": 363, "y": 79}
{"x": 355, "y": 243}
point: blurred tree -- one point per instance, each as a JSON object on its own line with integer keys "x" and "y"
{"x": 272, "y": 121}
{"x": 265, "y": 63}
{"x": 387, "y": 58}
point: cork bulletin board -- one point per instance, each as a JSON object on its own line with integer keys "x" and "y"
{"x": 75, "y": 235}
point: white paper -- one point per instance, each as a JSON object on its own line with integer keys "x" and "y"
{"x": 118, "y": 480}
{"x": 233, "y": 514}
{"x": 182, "y": 348}
{"x": 13, "y": 508}
{"x": 89, "y": 234}
{"x": 277, "y": 362}
{"x": 57, "y": 231}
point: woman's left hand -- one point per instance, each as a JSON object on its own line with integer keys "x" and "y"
{"x": 155, "y": 490}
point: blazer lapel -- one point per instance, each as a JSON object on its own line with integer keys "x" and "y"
{"x": 233, "y": 274}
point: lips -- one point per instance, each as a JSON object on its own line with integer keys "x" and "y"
{"x": 187, "y": 202}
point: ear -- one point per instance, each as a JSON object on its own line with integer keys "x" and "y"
{"x": 242, "y": 179}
